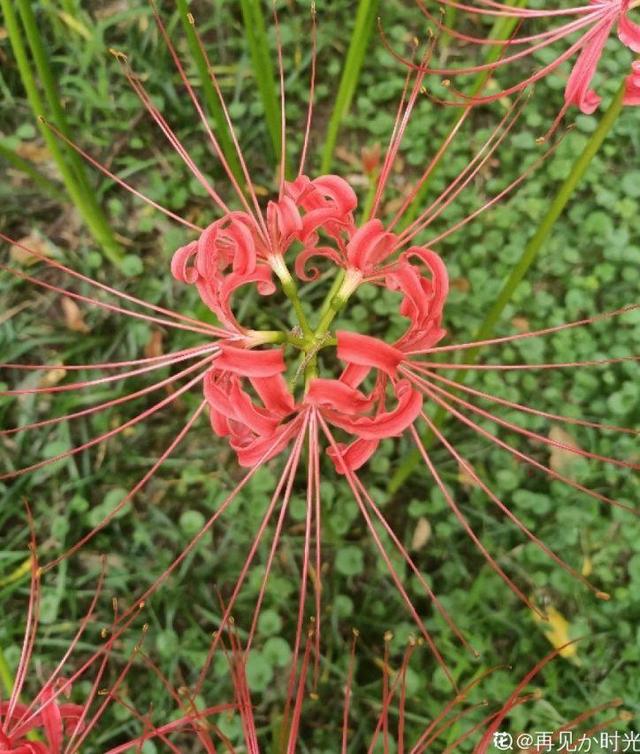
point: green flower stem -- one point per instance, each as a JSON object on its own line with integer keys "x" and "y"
{"x": 291, "y": 292}
{"x": 528, "y": 257}
{"x": 326, "y": 320}
{"x": 329, "y": 310}
{"x": 80, "y": 195}
{"x": 348, "y": 285}
{"x": 335, "y": 287}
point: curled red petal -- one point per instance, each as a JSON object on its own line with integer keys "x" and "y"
{"x": 338, "y": 396}
{"x": 181, "y": 269}
{"x": 261, "y": 276}
{"x": 577, "y": 91}
{"x": 51, "y": 721}
{"x": 284, "y": 222}
{"x": 329, "y": 202}
{"x": 337, "y": 190}
{"x": 369, "y": 246}
{"x": 367, "y": 351}
{"x": 326, "y": 218}
{"x": 71, "y": 714}
{"x": 231, "y": 401}
{"x": 423, "y": 300}
{"x": 354, "y": 374}
{"x": 258, "y": 420}
{"x": 297, "y": 188}
{"x": 385, "y": 423}
{"x": 263, "y": 448}
{"x": 438, "y": 270}
{"x": 632, "y": 86}
{"x": 219, "y": 422}
{"x": 352, "y": 456}
{"x": 227, "y": 242}
{"x": 219, "y": 298}
{"x": 315, "y": 251}
{"x": 274, "y": 393}
{"x": 250, "y": 363}
{"x": 245, "y": 253}
{"x": 628, "y": 31}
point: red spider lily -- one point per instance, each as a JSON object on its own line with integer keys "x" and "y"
{"x": 592, "y": 24}
{"x": 391, "y": 731}
{"x": 381, "y": 391}
{"x": 48, "y": 724}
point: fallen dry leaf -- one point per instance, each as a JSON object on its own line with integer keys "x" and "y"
{"x": 73, "y": 317}
{"x": 34, "y": 242}
{"x": 393, "y": 205}
{"x": 521, "y": 324}
{"x": 154, "y": 345}
{"x": 557, "y": 630}
{"x": 465, "y": 477}
{"x": 342, "y": 153}
{"x": 421, "y": 534}
{"x": 460, "y": 284}
{"x": 52, "y": 376}
{"x": 562, "y": 459}
{"x": 370, "y": 157}
{"x": 34, "y": 152}
{"x": 110, "y": 9}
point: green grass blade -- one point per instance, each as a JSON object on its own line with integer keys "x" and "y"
{"x": 527, "y": 258}
{"x": 258, "y": 40}
{"x": 80, "y": 196}
{"x": 6, "y": 678}
{"x": 212, "y": 101}
{"x": 556, "y": 208}
{"x": 365, "y": 20}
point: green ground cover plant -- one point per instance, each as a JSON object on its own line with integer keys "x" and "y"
{"x": 587, "y": 264}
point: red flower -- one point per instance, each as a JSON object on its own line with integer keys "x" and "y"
{"x": 593, "y": 22}
{"x": 267, "y": 404}
{"x": 60, "y": 727}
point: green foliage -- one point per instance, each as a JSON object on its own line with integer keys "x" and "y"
{"x": 262, "y": 61}
{"x": 590, "y": 263}
{"x": 358, "y": 45}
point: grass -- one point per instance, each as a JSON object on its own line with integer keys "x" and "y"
{"x": 589, "y": 264}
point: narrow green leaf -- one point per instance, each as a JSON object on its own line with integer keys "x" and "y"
{"x": 80, "y": 194}
{"x": 6, "y": 678}
{"x": 556, "y": 208}
{"x": 258, "y": 41}
{"x": 214, "y": 107}
{"x": 48, "y": 84}
{"x": 365, "y": 20}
